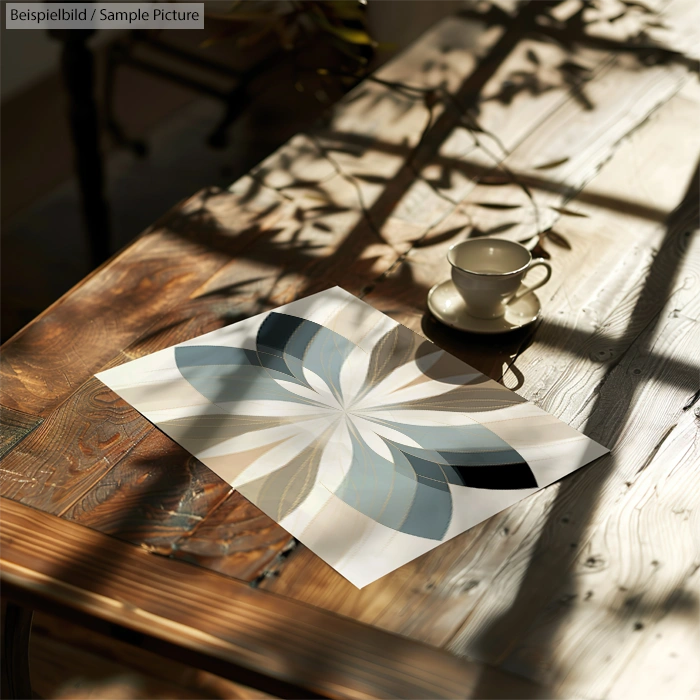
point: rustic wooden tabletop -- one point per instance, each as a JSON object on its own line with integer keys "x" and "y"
{"x": 499, "y": 126}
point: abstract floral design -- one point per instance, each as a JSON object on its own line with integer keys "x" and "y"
{"x": 327, "y": 402}
{"x": 400, "y": 457}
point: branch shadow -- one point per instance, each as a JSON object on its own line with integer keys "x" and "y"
{"x": 491, "y": 357}
{"x": 551, "y": 569}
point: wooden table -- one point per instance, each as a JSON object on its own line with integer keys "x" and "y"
{"x": 591, "y": 587}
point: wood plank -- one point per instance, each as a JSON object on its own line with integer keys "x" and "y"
{"x": 51, "y": 357}
{"x": 60, "y": 671}
{"x": 606, "y": 508}
{"x": 15, "y": 427}
{"x": 674, "y": 26}
{"x": 664, "y": 662}
{"x": 72, "y": 449}
{"x": 236, "y": 539}
{"x": 136, "y": 479}
{"x": 647, "y": 551}
{"x": 317, "y": 246}
{"x": 16, "y": 626}
{"x": 286, "y": 265}
{"x": 221, "y": 623}
{"x": 426, "y": 598}
{"x": 162, "y": 498}
{"x": 301, "y": 244}
{"x": 310, "y": 167}
{"x": 409, "y": 617}
{"x": 335, "y": 231}
{"x": 370, "y": 158}
{"x": 575, "y": 351}
{"x": 547, "y": 366}
{"x": 157, "y": 494}
{"x": 63, "y": 450}
{"x": 281, "y": 270}
{"x": 151, "y": 496}
{"x": 63, "y": 653}
{"x": 293, "y": 290}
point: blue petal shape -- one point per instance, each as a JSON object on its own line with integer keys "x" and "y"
{"x": 409, "y": 493}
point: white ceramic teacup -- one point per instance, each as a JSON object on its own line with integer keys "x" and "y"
{"x": 487, "y": 273}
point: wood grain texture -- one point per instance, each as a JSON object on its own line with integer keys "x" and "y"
{"x": 362, "y": 199}
{"x": 93, "y": 429}
{"x": 221, "y": 622}
{"x": 615, "y": 586}
{"x": 152, "y": 495}
{"x": 298, "y": 244}
{"x": 312, "y": 247}
{"x": 51, "y": 357}
{"x": 625, "y": 359}
{"x": 160, "y": 497}
{"x": 236, "y": 539}
{"x": 578, "y": 349}
{"x": 662, "y": 661}
{"x": 14, "y": 427}
{"x": 346, "y": 204}
{"x": 426, "y": 598}
{"x": 72, "y": 449}
{"x": 646, "y": 555}
{"x": 578, "y": 369}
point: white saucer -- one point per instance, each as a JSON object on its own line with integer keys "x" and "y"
{"x": 447, "y": 306}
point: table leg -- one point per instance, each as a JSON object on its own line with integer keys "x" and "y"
{"x": 16, "y": 628}
{"x": 77, "y": 66}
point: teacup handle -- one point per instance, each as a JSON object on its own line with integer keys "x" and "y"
{"x": 527, "y": 290}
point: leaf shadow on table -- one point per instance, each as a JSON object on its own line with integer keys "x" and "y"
{"x": 552, "y": 571}
{"x": 293, "y": 255}
{"x": 583, "y": 488}
{"x": 157, "y": 496}
{"x": 299, "y": 256}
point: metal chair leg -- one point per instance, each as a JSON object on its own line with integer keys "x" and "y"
{"x": 17, "y": 625}
{"x": 78, "y": 75}
{"x": 137, "y": 146}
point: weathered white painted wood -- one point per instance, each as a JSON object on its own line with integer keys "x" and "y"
{"x": 425, "y": 598}
{"x": 665, "y": 660}
{"x": 566, "y": 377}
{"x": 638, "y": 553}
{"x": 476, "y": 577}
